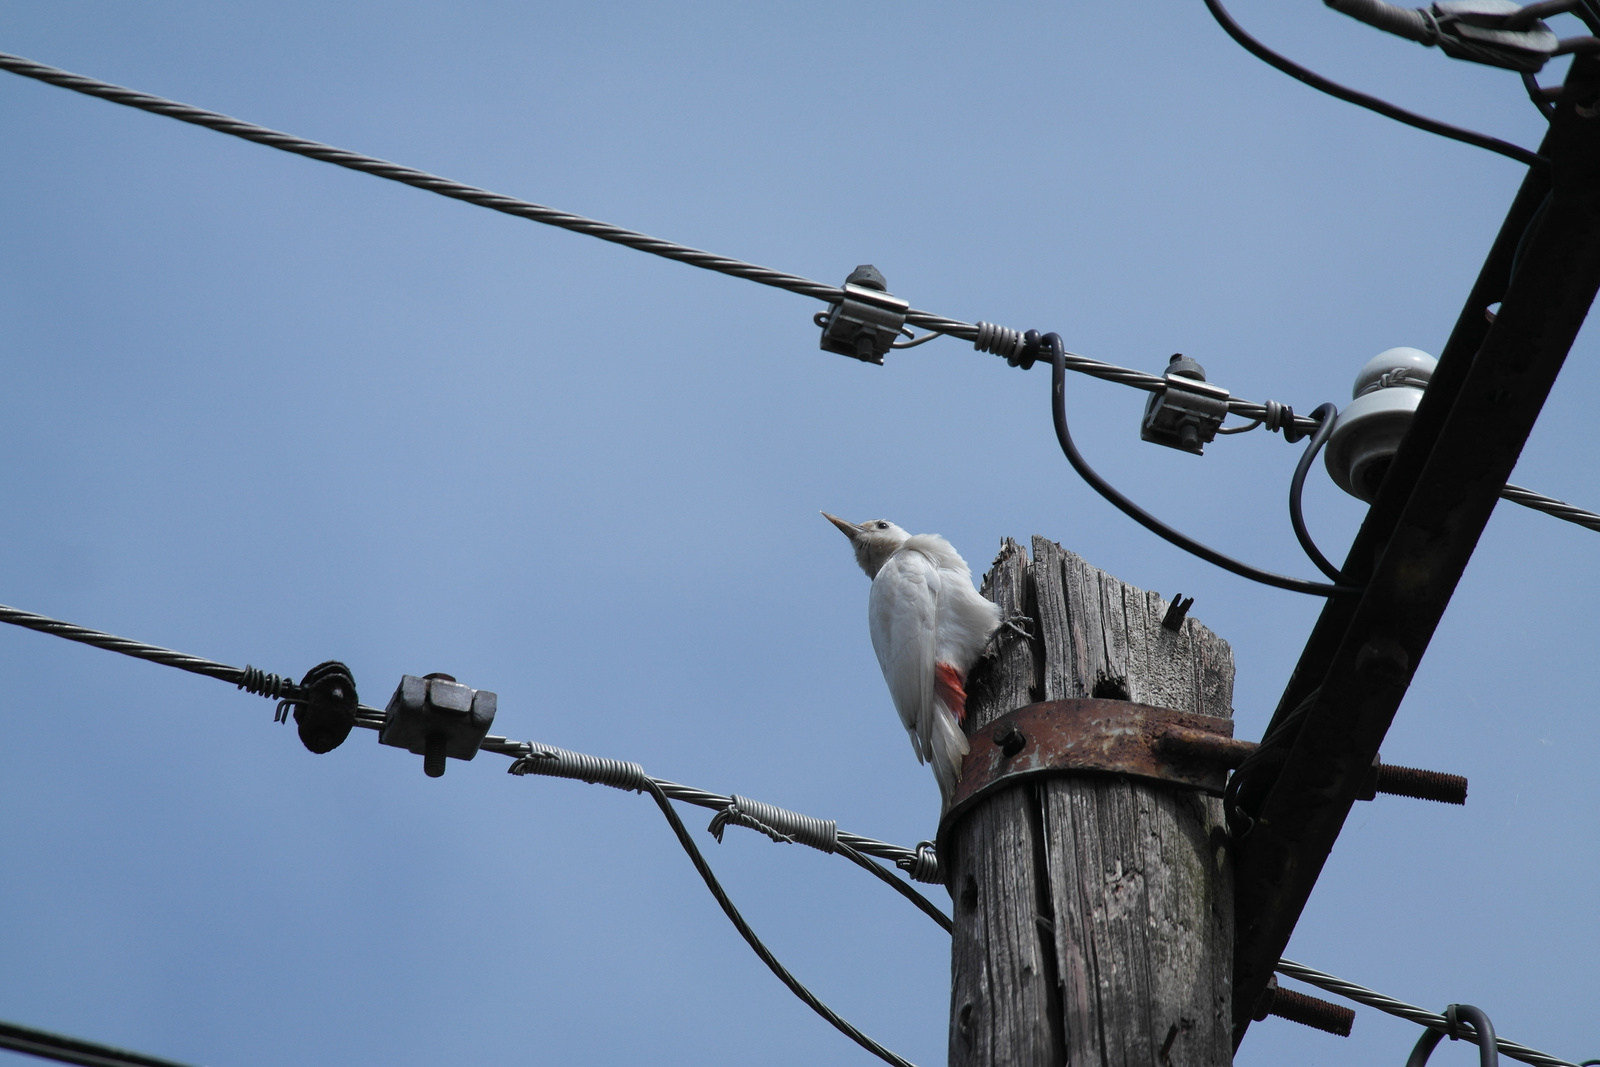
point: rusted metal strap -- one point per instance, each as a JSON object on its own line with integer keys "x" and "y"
{"x": 1097, "y": 736}
{"x": 1101, "y": 736}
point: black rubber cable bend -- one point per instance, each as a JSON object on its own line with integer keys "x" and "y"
{"x": 1488, "y": 1048}
{"x": 1325, "y": 416}
{"x": 1360, "y": 99}
{"x": 1058, "y": 393}
{"x": 755, "y": 942}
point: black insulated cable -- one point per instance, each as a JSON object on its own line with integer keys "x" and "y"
{"x": 48, "y": 1046}
{"x": 755, "y": 942}
{"x": 924, "y": 905}
{"x": 1488, "y": 1050}
{"x": 1325, "y": 416}
{"x": 1371, "y": 103}
{"x": 1058, "y": 393}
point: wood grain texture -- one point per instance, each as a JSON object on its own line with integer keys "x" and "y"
{"x": 1002, "y": 995}
{"x": 1093, "y": 918}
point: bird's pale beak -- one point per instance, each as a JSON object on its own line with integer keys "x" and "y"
{"x": 849, "y": 529}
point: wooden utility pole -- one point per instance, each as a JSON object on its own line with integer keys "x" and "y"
{"x": 1093, "y": 912}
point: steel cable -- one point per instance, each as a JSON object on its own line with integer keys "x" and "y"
{"x": 247, "y": 678}
{"x": 509, "y": 205}
{"x": 1360, "y": 99}
{"x": 1400, "y": 1009}
{"x": 433, "y": 183}
{"x": 1058, "y": 405}
{"x": 755, "y": 942}
{"x": 1550, "y": 506}
{"x": 551, "y": 760}
{"x": 49, "y": 1046}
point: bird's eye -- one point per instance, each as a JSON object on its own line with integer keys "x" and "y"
{"x": 883, "y": 526}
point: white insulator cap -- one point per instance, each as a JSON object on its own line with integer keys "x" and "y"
{"x": 1368, "y": 432}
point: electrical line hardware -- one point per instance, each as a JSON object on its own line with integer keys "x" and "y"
{"x": 1371, "y": 103}
{"x": 1412, "y": 1013}
{"x": 1435, "y": 501}
{"x": 1085, "y": 735}
{"x": 440, "y": 715}
{"x": 1188, "y": 412}
{"x": 866, "y": 322}
{"x": 1367, "y": 433}
{"x": 1004, "y": 341}
{"x": 1455, "y": 1015}
{"x": 1306, "y": 1010}
{"x": 437, "y": 717}
{"x": 1479, "y": 31}
{"x": 1096, "y": 735}
{"x": 1058, "y": 404}
{"x": 1184, "y": 745}
{"x": 326, "y": 710}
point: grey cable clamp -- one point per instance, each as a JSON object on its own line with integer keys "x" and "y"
{"x": 867, "y": 321}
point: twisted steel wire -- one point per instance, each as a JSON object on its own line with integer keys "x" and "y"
{"x": 1421, "y": 1016}
{"x": 896, "y": 854}
{"x": 811, "y": 999}
{"x": 433, "y": 183}
{"x": 50, "y": 1046}
{"x": 1550, "y": 506}
{"x": 371, "y": 718}
{"x": 605, "y": 231}
{"x": 549, "y": 216}
{"x": 248, "y": 678}
{"x": 545, "y": 759}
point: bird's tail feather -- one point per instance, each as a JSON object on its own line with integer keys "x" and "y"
{"x": 949, "y": 749}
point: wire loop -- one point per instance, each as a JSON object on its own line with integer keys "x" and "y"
{"x": 923, "y": 866}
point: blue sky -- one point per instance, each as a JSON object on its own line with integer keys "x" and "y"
{"x": 267, "y": 411}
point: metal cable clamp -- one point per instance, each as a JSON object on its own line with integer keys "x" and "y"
{"x": 867, "y": 321}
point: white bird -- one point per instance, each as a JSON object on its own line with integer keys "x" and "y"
{"x": 929, "y": 626}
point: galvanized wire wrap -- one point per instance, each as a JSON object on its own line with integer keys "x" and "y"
{"x": 1421, "y": 1016}
{"x": 1010, "y": 345}
{"x": 780, "y": 824}
{"x": 597, "y": 770}
{"x": 922, "y": 865}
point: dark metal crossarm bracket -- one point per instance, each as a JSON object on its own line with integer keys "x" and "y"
{"x": 1491, "y": 382}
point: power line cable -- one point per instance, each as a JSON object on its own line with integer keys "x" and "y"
{"x": 920, "y": 863}
{"x": 987, "y": 337}
{"x": 1421, "y": 1016}
{"x": 1058, "y": 390}
{"x": 755, "y": 942}
{"x": 49, "y": 1046}
{"x": 778, "y": 823}
{"x": 248, "y": 678}
{"x": 433, "y": 183}
{"x": 1550, "y": 506}
{"x": 1326, "y": 414}
{"x": 1360, "y": 99}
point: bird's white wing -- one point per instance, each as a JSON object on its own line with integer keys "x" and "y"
{"x": 902, "y": 613}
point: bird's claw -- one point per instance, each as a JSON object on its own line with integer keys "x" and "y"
{"x": 1017, "y": 624}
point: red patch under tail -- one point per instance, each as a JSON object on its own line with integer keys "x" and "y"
{"x": 950, "y": 684}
